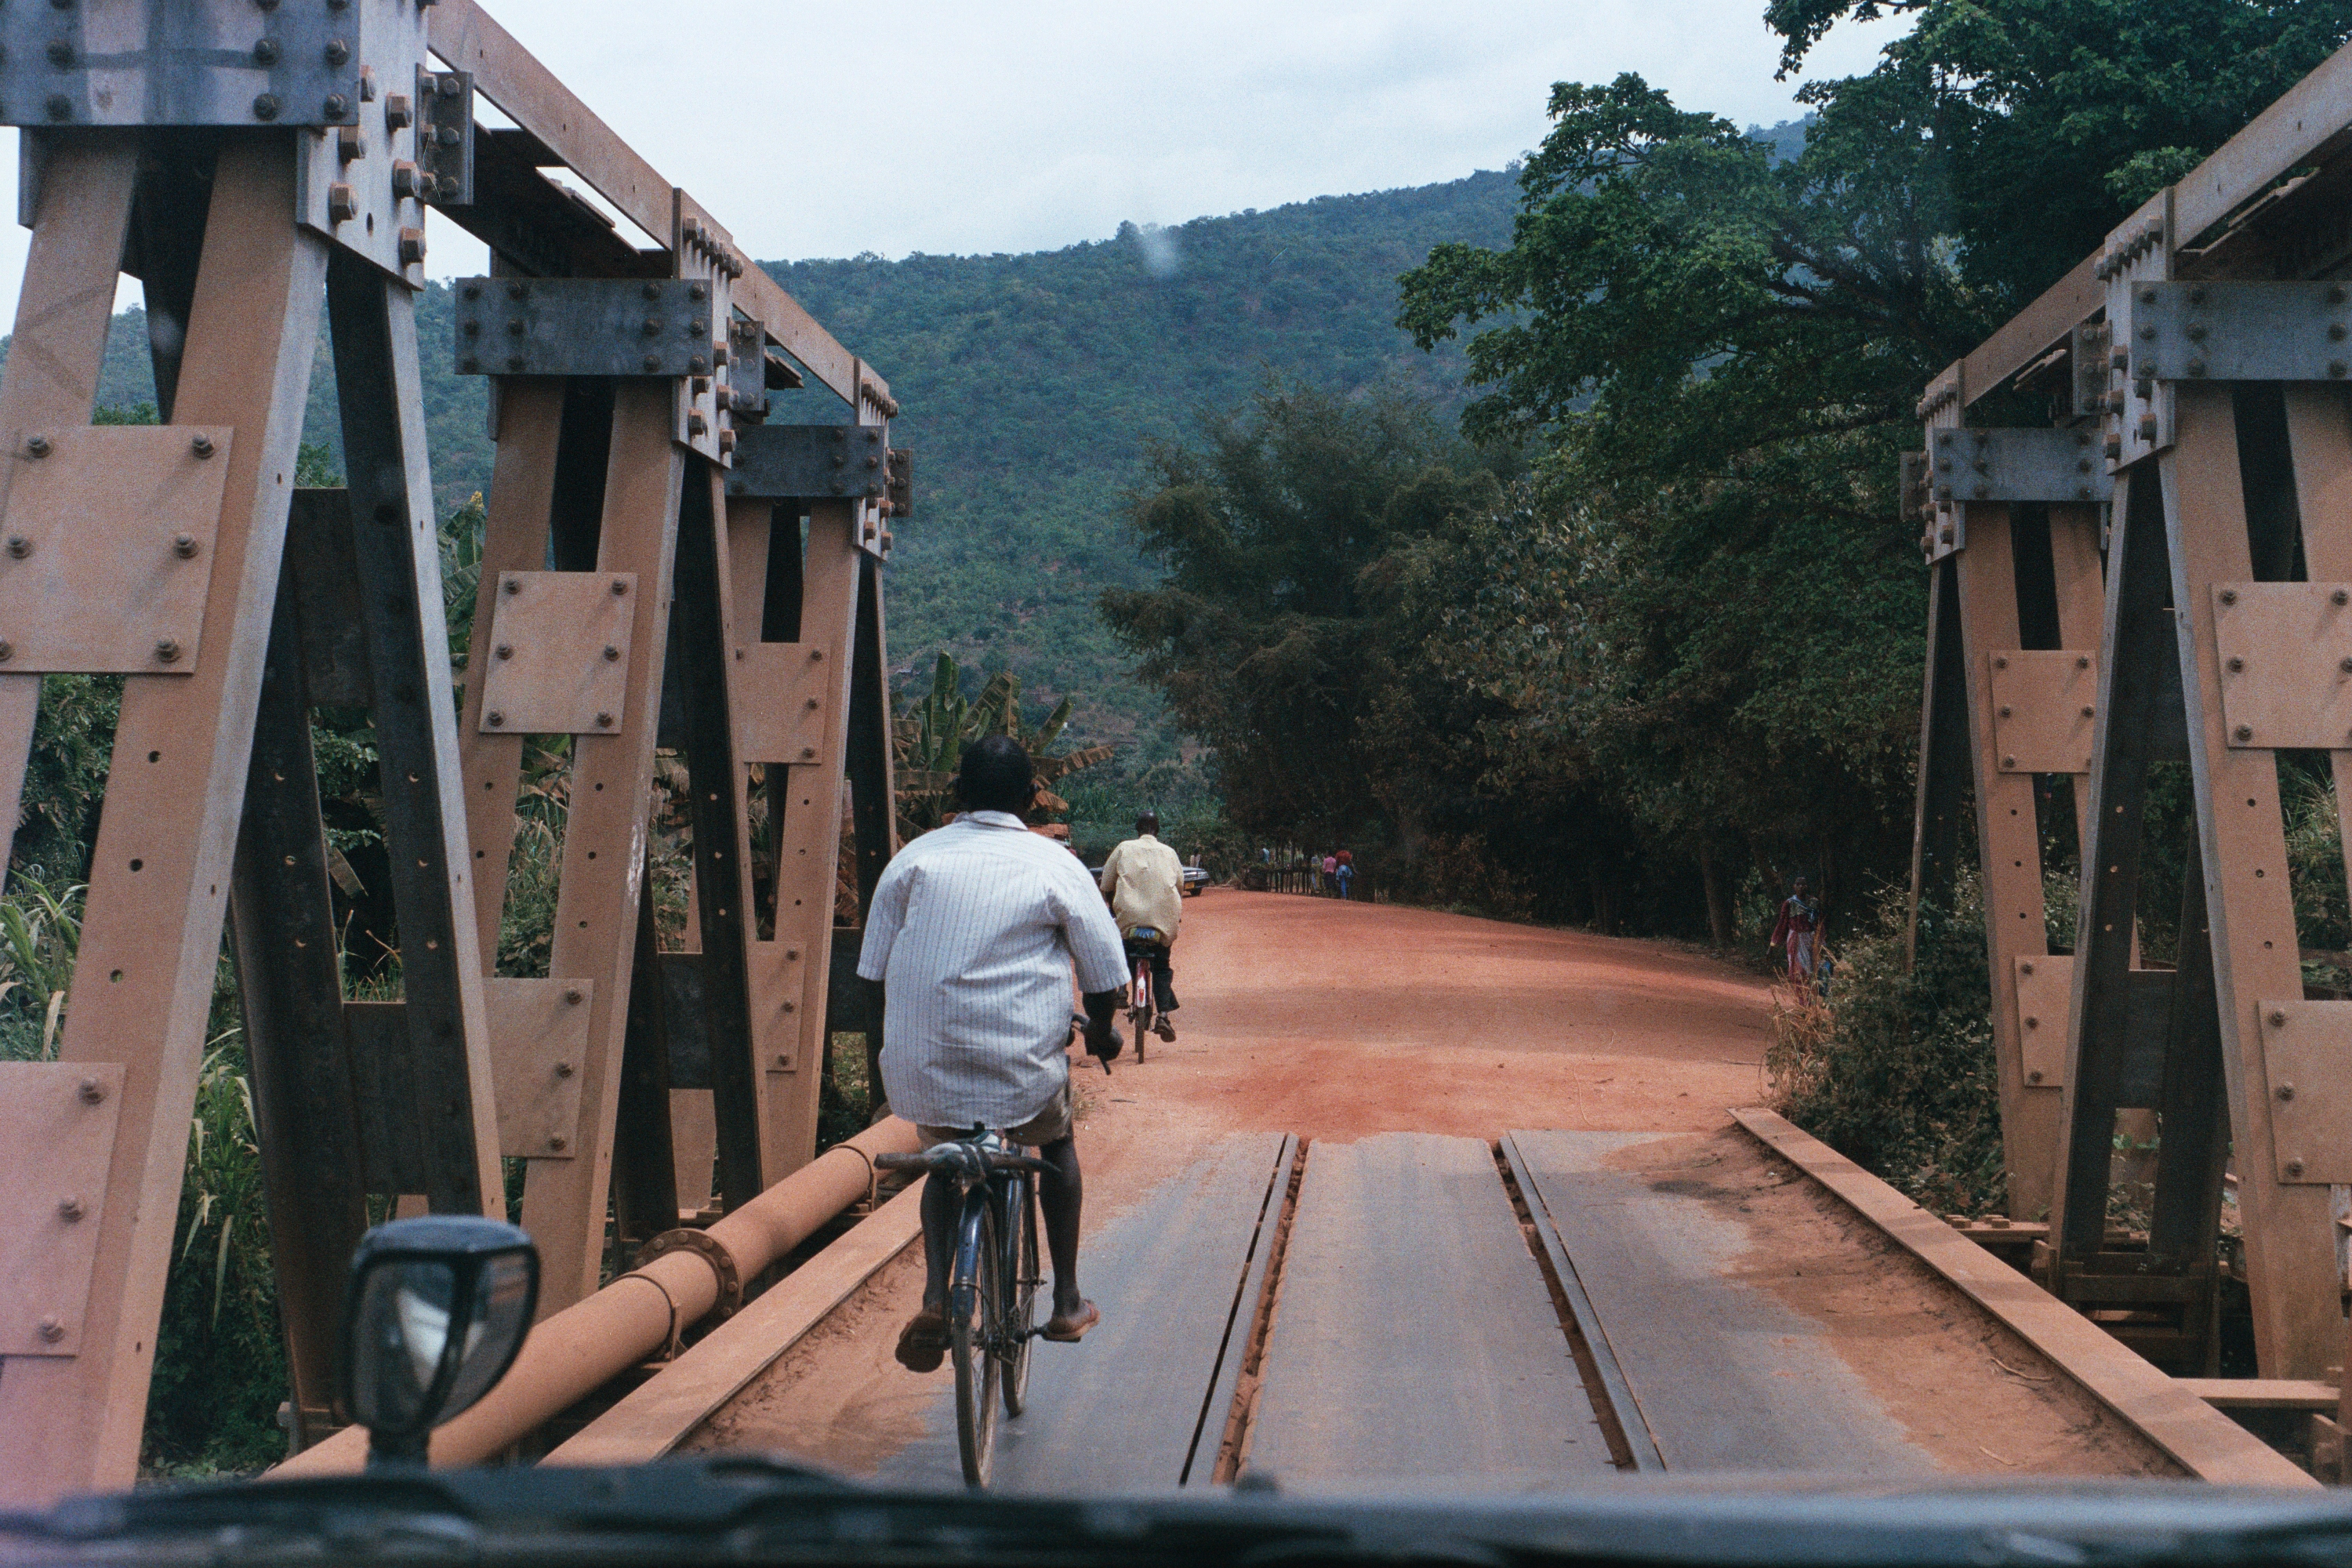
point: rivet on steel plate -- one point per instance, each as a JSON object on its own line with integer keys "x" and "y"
{"x": 515, "y": 363}
{"x": 336, "y": 106}
{"x": 604, "y": 721}
{"x": 20, "y": 546}
{"x": 183, "y": 545}
{"x": 620, "y": 586}
{"x": 2278, "y": 1018}
{"x": 38, "y": 447}
{"x": 505, "y": 650}
{"x": 2001, "y": 664}
{"x": 563, "y": 1069}
{"x": 337, "y": 51}
{"x": 611, "y": 653}
{"x": 69, "y": 1208}
{"x": 573, "y": 995}
{"x": 202, "y": 446}
{"x": 653, "y": 364}
{"x": 790, "y": 1007}
{"x": 52, "y": 1329}
{"x": 807, "y": 752}
{"x": 815, "y": 703}
{"x": 653, "y": 326}
{"x": 2032, "y": 1022}
{"x": 2294, "y": 1167}
{"x": 2034, "y": 1077}
{"x": 92, "y": 1091}
{"x": 8, "y": 650}
{"x": 167, "y": 649}
{"x": 2025, "y": 969}
{"x": 2236, "y": 665}
{"x": 2008, "y": 761}
{"x": 470, "y": 328}
{"x": 265, "y": 106}
{"x": 2341, "y": 596}
{"x": 2229, "y": 595}
{"x": 697, "y": 292}
{"x": 2089, "y": 711}
{"x": 2244, "y": 731}
{"x": 559, "y": 1142}
{"x": 816, "y": 655}
{"x": 494, "y": 719}
{"x": 515, "y": 327}
{"x": 2286, "y": 1091}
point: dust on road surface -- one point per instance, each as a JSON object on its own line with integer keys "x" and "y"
{"x": 1337, "y": 1021}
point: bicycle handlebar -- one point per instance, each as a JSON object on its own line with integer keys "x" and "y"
{"x": 950, "y": 1155}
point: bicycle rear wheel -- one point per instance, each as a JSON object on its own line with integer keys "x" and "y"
{"x": 1023, "y": 1277}
{"x": 972, "y": 1296}
{"x": 1140, "y": 1013}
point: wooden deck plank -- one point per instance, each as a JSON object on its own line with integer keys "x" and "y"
{"x": 1727, "y": 1376}
{"x": 2208, "y": 1443}
{"x": 1414, "y": 1341}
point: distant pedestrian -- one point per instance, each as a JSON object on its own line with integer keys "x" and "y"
{"x": 1346, "y": 874}
{"x": 1798, "y": 930}
{"x": 1330, "y": 874}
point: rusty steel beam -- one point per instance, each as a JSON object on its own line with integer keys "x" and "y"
{"x": 467, "y": 36}
{"x": 571, "y": 1355}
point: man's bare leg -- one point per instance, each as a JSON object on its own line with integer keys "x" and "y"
{"x": 1060, "y": 1193}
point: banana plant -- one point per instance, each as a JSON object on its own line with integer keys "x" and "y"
{"x": 930, "y": 737}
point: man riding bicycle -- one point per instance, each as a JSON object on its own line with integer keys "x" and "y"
{"x": 972, "y": 935}
{"x": 1145, "y": 883}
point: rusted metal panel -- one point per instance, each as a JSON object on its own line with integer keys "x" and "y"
{"x": 558, "y": 653}
{"x": 2285, "y": 651}
{"x": 584, "y": 326}
{"x": 193, "y": 62}
{"x": 2046, "y": 704}
{"x": 107, "y": 557}
{"x": 2230, "y": 329}
{"x": 349, "y": 187}
{"x": 2306, "y": 1049}
{"x": 2018, "y": 465}
{"x": 541, "y": 1030}
{"x": 785, "y": 461}
{"x": 2046, "y": 1002}
{"x": 57, "y": 1123}
{"x": 787, "y": 691}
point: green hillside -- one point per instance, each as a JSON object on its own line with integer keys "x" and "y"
{"x": 1032, "y": 384}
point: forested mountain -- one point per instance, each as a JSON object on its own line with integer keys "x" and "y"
{"x": 1032, "y": 385}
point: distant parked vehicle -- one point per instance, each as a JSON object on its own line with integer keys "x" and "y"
{"x": 1195, "y": 880}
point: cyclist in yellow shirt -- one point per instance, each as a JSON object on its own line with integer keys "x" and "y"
{"x": 1145, "y": 883}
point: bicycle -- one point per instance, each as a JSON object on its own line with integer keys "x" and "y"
{"x": 993, "y": 1283}
{"x": 1141, "y": 1007}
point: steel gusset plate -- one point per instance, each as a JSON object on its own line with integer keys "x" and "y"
{"x": 2020, "y": 464}
{"x": 809, "y": 461}
{"x": 2241, "y": 332}
{"x": 191, "y": 62}
{"x": 584, "y": 326}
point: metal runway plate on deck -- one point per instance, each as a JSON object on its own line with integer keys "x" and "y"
{"x": 1414, "y": 1341}
{"x": 1726, "y": 1377}
{"x": 1120, "y": 1411}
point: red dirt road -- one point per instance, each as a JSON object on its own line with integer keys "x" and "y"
{"x": 1337, "y": 1021}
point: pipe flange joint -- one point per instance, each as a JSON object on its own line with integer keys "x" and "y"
{"x": 713, "y": 1251}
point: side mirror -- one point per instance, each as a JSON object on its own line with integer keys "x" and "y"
{"x": 435, "y": 1312}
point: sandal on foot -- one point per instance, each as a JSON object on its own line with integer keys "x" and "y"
{"x": 1070, "y": 1331}
{"x": 923, "y": 1343}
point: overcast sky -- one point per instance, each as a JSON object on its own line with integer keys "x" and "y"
{"x": 949, "y": 127}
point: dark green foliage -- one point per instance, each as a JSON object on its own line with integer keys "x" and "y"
{"x": 2062, "y": 115}
{"x": 1898, "y": 1073}
{"x": 1034, "y": 383}
{"x": 1262, "y": 634}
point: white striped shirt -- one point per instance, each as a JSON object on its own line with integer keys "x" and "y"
{"x": 974, "y": 930}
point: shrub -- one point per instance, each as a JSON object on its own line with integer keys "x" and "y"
{"x": 1898, "y": 1071}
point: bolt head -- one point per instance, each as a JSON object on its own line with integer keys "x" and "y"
{"x": 2278, "y": 1018}
{"x": 265, "y": 106}
{"x": 2246, "y": 731}
{"x": 20, "y": 546}
{"x": 494, "y": 719}
{"x": 38, "y": 447}
{"x": 2229, "y": 595}
{"x": 2286, "y": 1091}
{"x": 620, "y": 586}
{"x": 511, "y": 586}
{"x": 559, "y": 1142}
{"x": 202, "y": 446}
{"x": 573, "y": 995}
{"x": 612, "y": 654}
{"x": 2236, "y": 665}
{"x": 563, "y": 1069}
{"x": 52, "y": 1329}
{"x": 604, "y": 721}
{"x": 2294, "y": 1167}
{"x": 92, "y": 1091}
{"x": 505, "y": 650}
{"x": 69, "y": 1208}
{"x": 183, "y": 545}
{"x": 167, "y": 649}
